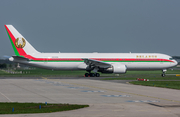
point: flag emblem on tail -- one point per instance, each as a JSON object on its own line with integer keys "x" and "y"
{"x": 20, "y": 42}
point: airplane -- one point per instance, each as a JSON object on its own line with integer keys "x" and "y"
{"x": 117, "y": 63}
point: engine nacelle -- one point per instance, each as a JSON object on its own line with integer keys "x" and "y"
{"x": 11, "y": 59}
{"x": 119, "y": 68}
{"x": 116, "y": 68}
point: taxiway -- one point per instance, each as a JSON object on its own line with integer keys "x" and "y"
{"x": 107, "y": 99}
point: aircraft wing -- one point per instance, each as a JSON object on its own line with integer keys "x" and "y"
{"x": 96, "y": 63}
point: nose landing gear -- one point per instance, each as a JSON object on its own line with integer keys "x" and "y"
{"x": 163, "y": 74}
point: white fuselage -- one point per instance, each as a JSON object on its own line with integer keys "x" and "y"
{"x": 73, "y": 61}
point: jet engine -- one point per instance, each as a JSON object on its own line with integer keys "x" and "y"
{"x": 115, "y": 68}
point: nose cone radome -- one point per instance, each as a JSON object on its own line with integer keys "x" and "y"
{"x": 175, "y": 62}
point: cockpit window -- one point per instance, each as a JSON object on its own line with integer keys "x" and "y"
{"x": 170, "y": 58}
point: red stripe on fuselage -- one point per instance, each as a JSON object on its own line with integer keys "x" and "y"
{"x": 98, "y": 59}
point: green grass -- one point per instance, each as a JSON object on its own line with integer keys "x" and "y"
{"x": 3, "y": 72}
{"x": 156, "y": 78}
{"x": 130, "y": 75}
{"x": 41, "y": 72}
{"x": 164, "y": 84}
{"x": 151, "y": 75}
{"x": 20, "y": 108}
{"x": 44, "y": 72}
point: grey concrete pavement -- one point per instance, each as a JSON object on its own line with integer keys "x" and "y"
{"x": 107, "y": 99}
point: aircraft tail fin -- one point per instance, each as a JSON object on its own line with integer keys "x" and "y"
{"x": 20, "y": 45}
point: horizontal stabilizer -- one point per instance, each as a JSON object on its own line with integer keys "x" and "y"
{"x": 18, "y": 58}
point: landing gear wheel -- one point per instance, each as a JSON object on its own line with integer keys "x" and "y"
{"x": 92, "y": 74}
{"x": 86, "y": 74}
{"x": 163, "y": 75}
{"x": 97, "y": 74}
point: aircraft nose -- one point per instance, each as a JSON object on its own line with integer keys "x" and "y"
{"x": 175, "y": 62}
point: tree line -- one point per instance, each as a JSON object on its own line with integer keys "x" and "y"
{"x": 3, "y": 65}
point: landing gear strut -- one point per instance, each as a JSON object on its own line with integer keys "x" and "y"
{"x": 91, "y": 74}
{"x": 164, "y": 71}
{"x": 163, "y": 74}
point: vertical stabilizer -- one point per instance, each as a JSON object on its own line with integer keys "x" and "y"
{"x": 20, "y": 45}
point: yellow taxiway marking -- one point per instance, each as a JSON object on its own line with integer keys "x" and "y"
{"x": 114, "y": 90}
{"x": 44, "y": 78}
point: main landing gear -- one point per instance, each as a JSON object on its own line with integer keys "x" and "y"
{"x": 91, "y": 74}
{"x": 163, "y": 74}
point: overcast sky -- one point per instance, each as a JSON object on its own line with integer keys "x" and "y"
{"x": 113, "y": 26}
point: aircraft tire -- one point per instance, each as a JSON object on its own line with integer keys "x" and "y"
{"x": 92, "y": 74}
{"x": 86, "y": 74}
{"x": 97, "y": 74}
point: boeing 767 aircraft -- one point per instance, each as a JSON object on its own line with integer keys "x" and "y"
{"x": 116, "y": 63}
